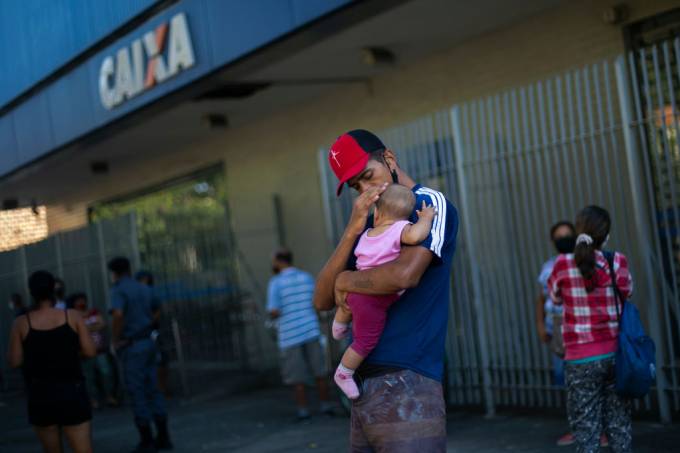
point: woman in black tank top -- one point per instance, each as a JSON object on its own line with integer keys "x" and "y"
{"x": 47, "y": 344}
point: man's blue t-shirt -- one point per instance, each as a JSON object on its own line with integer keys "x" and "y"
{"x": 415, "y": 332}
{"x": 137, "y": 303}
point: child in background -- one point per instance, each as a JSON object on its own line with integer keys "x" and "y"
{"x": 98, "y": 366}
{"x": 377, "y": 246}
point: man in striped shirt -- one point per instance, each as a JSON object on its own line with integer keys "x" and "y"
{"x": 289, "y": 302}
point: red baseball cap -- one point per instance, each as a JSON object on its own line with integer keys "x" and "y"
{"x": 350, "y": 153}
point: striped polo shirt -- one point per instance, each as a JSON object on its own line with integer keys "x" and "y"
{"x": 291, "y": 292}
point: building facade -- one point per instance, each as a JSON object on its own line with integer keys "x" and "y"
{"x": 154, "y": 91}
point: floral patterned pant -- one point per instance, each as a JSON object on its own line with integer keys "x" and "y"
{"x": 593, "y": 407}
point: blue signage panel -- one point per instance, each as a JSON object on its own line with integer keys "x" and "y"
{"x": 179, "y": 45}
{"x": 37, "y": 37}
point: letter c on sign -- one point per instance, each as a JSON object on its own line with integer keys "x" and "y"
{"x": 107, "y": 93}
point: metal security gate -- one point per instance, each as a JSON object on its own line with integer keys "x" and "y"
{"x": 209, "y": 329}
{"x": 519, "y": 161}
{"x": 79, "y": 257}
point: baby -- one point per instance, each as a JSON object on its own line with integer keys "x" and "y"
{"x": 378, "y": 245}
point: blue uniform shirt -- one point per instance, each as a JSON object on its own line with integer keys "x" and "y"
{"x": 415, "y": 333}
{"x": 137, "y": 303}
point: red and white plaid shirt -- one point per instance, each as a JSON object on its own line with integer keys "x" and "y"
{"x": 590, "y": 325}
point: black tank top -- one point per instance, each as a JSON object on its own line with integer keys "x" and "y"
{"x": 52, "y": 355}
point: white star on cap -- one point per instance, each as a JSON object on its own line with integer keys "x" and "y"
{"x": 333, "y": 155}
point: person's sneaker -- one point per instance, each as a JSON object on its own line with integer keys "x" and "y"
{"x": 340, "y": 330}
{"x": 566, "y": 440}
{"x": 604, "y": 442}
{"x": 346, "y": 384}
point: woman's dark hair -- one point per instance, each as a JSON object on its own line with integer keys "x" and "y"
{"x": 560, "y": 224}
{"x": 596, "y": 223}
{"x": 41, "y": 286}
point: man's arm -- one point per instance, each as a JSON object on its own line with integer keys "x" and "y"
{"x": 337, "y": 263}
{"x": 273, "y": 302}
{"x": 118, "y": 301}
{"x": 390, "y": 278}
{"x": 116, "y": 325}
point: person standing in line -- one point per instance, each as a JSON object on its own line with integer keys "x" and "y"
{"x": 549, "y": 316}
{"x": 47, "y": 343}
{"x": 16, "y": 305}
{"x": 96, "y": 369}
{"x": 132, "y": 308}
{"x": 289, "y": 302}
{"x": 60, "y": 294}
{"x": 582, "y": 283}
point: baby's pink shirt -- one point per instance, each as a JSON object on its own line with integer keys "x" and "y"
{"x": 374, "y": 251}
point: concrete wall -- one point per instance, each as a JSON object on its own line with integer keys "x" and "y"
{"x": 284, "y": 161}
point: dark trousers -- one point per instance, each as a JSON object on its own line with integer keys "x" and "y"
{"x": 139, "y": 364}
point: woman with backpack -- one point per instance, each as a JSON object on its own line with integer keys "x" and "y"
{"x": 582, "y": 283}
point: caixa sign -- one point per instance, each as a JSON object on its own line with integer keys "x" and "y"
{"x": 154, "y": 58}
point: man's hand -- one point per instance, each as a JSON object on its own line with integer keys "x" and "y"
{"x": 362, "y": 204}
{"x": 543, "y": 335}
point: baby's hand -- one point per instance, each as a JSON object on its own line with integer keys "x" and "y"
{"x": 426, "y": 212}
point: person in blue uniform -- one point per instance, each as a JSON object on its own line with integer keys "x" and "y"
{"x": 132, "y": 311}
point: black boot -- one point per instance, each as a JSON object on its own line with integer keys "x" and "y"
{"x": 146, "y": 444}
{"x": 162, "y": 436}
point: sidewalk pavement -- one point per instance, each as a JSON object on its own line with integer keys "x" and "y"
{"x": 262, "y": 421}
